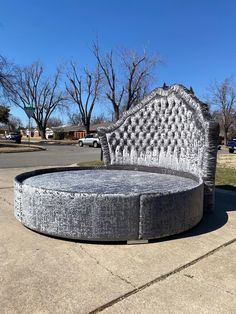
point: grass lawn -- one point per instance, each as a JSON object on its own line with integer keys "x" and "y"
{"x": 95, "y": 163}
{"x": 226, "y": 178}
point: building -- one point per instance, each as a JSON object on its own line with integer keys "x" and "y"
{"x": 74, "y": 132}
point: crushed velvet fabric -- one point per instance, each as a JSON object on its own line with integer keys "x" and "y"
{"x": 170, "y": 128}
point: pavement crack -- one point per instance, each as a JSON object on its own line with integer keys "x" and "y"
{"x": 189, "y": 276}
{"x": 6, "y": 187}
{"x": 161, "y": 278}
{"x": 107, "y": 269}
{"x": 6, "y": 201}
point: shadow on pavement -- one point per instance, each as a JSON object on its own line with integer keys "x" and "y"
{"x": 225, "y": 201}
{"x": 227, "y": 187}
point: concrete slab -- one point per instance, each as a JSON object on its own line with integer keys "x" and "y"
{"x": 8, "y": 174}
{"x": 134, "y": 262}
{"x": 208, "y": 286}
{"x": 40, "y": 274}
{"x": 45, "y": 275}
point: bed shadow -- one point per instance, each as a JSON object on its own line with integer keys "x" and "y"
{"x": 225, "y": 201}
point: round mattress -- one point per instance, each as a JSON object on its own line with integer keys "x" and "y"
{"x": 110, "y": 182}
{"x": 108, "y": 204}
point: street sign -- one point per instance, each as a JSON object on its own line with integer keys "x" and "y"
{"x": 29, "y": 111}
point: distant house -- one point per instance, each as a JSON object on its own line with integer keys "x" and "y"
{"x": 36, "y": 132}
{"x": 26, "y": 132}
{"x": 74, "y": 132}
{"x": 94, "y": 127}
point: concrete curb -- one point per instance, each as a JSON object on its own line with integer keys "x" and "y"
{"x": 19, "y": 148}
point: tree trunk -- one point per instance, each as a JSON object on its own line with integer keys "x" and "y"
{"x": 225, "y": 136}
{"x": 117, "y": 113}
{"x": 87, "y": 127}
{"x": 42, "y": 132}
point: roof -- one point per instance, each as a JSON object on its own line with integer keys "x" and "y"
{"x": 68, "y": 128}
{"x": 79, "y": 128}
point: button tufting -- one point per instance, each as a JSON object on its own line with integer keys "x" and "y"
{"x": 161, "y": 127}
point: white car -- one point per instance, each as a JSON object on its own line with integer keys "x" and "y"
{"x": 90, "y": 140}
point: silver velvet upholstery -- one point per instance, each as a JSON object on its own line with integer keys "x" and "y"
{"x": 170, "y": 128}
{"x": 160, "y": 167}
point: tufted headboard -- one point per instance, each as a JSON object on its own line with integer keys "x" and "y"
{"x": 170, "y": 128}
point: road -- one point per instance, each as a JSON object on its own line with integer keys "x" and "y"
{"x": 55, "y": 155}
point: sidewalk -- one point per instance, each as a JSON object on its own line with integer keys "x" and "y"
{"x": 191, "y": 273}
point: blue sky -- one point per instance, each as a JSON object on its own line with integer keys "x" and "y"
{"x": 196, "y": 39}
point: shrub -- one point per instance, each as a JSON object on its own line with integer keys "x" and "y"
{"x": 59, "y": 136}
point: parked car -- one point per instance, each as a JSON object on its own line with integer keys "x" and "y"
{"x": 232, "y": 145}
{"x": 49, "y": 134}
{"x": 91, "y": 140}
{"x": 14, "y": 136}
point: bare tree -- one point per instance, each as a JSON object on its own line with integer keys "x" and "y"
{"x": 14, "y": 123}
{"x": 100, "y": 118}
{"x": 6, "y": 75}
{"x": 75, "y": 119}
{"x": 129, "y": 81}
{"x": 223, "y": 95}
{"x": 84, "y": 91}
{"x": 54, "y": 122}
{"x": 232, "y": 131}
{"x": 32, "y": 89}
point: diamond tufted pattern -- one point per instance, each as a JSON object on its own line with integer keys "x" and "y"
{"x": 169, "y": 128}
